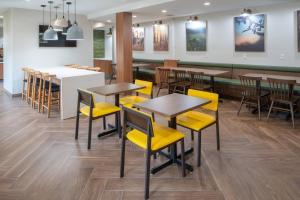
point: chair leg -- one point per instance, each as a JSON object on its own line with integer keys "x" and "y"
{"x": 77, "y": 126}
{"x": 147, "y": 174}
{"x": 192, "y": 135}
{"x": 90, "y": 133}
{"x": 218, "y": 135}
{"x": 183, "y": 158}
{"x": 104, "y": 123}
{"x": 258, "y": 107}
{"x": 158, "y": 90}
{"x": 153, "y": 117}
{"x": 292, "y": 114}
{"x": 122, "y": 157}
{"x": 241, "y": 104}
{"x": 119, "y": 125}
{"x": 271, "y": 107}
{"x": 199, "y": 150}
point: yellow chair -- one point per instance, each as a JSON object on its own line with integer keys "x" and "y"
{"x": 198, "y": 121}
{"x": 94, "y": 111}
{"x": 149, "y": 136}
{"x": 129, "y": 101}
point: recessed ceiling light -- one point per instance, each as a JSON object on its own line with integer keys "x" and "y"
{"x": 1, "y": 17}
{"x": 27, "y": 0}
{"x": 164, "y": 11}
{"x": 207, "y": 3}
{"x": 108, "y": 21}
{"x": 134, "y": 16}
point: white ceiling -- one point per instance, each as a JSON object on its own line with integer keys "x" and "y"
{"x": 146, "y": 10}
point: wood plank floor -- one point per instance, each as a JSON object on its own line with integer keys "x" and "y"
{"x": 40, "y": 160}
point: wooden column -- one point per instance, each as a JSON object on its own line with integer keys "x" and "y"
{"x": 124, "y": 46}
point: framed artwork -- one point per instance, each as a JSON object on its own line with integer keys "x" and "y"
{"x": 298, "y": 29}
{"x": 61, "y": 42}
{"x": 196, "y": 35}
{"x": 161, "y": 37}
{"x": 138, "y": 38}
{"x": 250, "y": 33}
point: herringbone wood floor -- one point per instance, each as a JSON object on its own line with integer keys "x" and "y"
{"x": 39, "y": 159}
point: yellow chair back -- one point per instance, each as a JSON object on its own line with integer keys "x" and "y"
{"x": 148, "y": 87}
{"x": 213, "y": 97}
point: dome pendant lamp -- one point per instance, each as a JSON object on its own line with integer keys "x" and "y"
{"x": 50, "y": 34}
{"x": 61, "y": 22}
{"x": 57, "y": 28}
{"x": 75, "y": 32}
{"x": 69, "y": 21}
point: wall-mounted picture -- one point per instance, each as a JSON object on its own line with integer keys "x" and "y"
{"x": 138, "y": 38}
{"x": 298, "y": 29}
{"x": 250, "y": 33}
{"x": 196, "y": 34}
{"x": 161, "y": 37}
{"x": 61, "y": 42}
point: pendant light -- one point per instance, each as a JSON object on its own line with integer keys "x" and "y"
{"x": 109, "y": 34}
{"x": 75, "y": 32}
{"x": 50, "y": 34}
{"x": 69, "y": 21}
{"x": 55, "y": 27}
{"x": 42, "y": 31}
{"x": 61, "y": 22}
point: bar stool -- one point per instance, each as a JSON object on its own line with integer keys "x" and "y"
{"x": 25, "y": 82}
{"x": 29, "y": 87}
{"x": 36, "y": 99}
{"x": 36, "y": 80}
{"x": 72, "y": 65}
{"x": 50, "y": 93}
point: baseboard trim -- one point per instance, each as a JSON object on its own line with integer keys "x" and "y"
{"x": 11, "y": 95}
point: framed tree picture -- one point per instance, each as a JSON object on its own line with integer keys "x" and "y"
{"x": 250, "y": 33}
{"x": 196, "y": 35}
{"x": 138, "y": 38}
{"x": 161, "y": 37}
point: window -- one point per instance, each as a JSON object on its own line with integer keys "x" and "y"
{"x": 99, "y": 43}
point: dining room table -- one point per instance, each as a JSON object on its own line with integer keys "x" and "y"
{"x": 70, "y": 79}
{"x": 170, "y": 106}
{"x": 212, "y": 73}
{"x": 114, "y": 90}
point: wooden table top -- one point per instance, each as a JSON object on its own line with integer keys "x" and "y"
{"x": 117, "y": 88}
{"x": 208, "y": 72}
{"x": 265, "y": 76}
{"x": 172, "y": 105}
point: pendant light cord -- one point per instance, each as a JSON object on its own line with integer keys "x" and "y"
{"x": 63, "y": 9}
{"x": 50, "y": 14}
{"x": 75, "y": 12}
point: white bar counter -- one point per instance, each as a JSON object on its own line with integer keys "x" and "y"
{"x": 71, "y": 79}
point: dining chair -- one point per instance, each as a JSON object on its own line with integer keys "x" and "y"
{"x": 165, "y": 79}
{"x": 113, "y": 73}
{"x": 50, "y": 93}
{"x": 129, "y": 101}
{"x": 183, "y": 81}
{"x": 197, "y": 82}
{"x": 198, "y": 121}
{"x": 252, "y": 94}
{"x": 94, "y": 111}
{"x": 149, "y": 136}
{"x": 283, "y": 98}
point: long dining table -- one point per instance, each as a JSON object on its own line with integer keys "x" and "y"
{"x": 69, "y": 80}
{"x": 264, "y": 77}
{"x": 207, "y": 72}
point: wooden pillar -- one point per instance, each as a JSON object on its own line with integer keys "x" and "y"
{"x": 124, "y": 46}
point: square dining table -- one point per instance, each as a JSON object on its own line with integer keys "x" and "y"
{"x": 114, "y": 89}
{"x": 171, "y": 106}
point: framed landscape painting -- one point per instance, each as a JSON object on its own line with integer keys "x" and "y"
{"x": 250, "y": 33}
{"x": 196, "y": 35}
{"x": 138, "y": 38}
{"x": 298, "y": 29}
{"x": 161, "y": 37}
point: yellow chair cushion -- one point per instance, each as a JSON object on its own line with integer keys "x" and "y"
{"x": 195, "y": 120}
{"x": 148, "y": 86}
{"x": 100, "y": 109}
{"x": 213, "y": 97}
{"x": 163, "y": 137}
{"x": 131, "y": 100}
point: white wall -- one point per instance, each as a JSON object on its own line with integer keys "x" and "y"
{"x": 280, "y": 39}
{"x": 22, "y": 49}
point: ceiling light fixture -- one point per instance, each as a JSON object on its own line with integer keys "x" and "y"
{"x": 56, "y": 28}
{"x": 164, "y": 11}
{"x": 246, "y": 12}
{"x": 108, "y": 21}
{"x": 61, "y": 22}
{"x": 75, "y": 32}
{"x": 65, "y": 29}
{"x": 50, "y": 34}
{"x": 134, "y": 16}
{"x": 207, "y": 3}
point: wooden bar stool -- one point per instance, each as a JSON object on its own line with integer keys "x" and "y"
{"x": 72, "y": 65}
{"x": 36, "y": 98}
{"x": 29, "y": 86}
{"x": 36, "y": 79}
{"x": 50, "y": 93}
{"x": 25, "y": 82}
